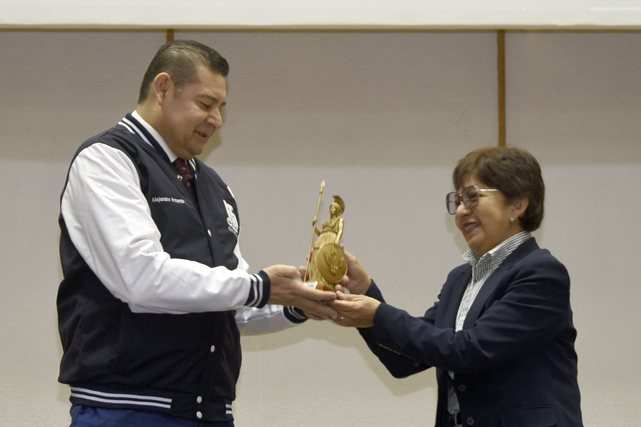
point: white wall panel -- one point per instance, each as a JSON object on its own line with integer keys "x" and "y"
{"x": 322, "y": 13}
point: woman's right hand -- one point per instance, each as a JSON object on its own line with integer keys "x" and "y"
{"x": 359, "y": 281}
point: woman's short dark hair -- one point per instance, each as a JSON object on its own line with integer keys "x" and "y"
{"x": 513, "y": 171}
{"x": 180, "y": 59}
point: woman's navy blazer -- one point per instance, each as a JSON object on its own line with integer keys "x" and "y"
{"x": 513, "y": 363}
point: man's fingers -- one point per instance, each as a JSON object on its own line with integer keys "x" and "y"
{"x": 345, "y": 297}
{"x": 280, "y": 272}
{"x": 319, "y": 310}
{"x": 317, "y": 294}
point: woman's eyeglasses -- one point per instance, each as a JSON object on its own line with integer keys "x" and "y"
{"x": 470, "y": 198}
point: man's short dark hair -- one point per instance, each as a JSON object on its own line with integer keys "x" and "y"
{"x": 180, "y": 59}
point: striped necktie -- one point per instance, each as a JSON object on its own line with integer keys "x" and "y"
{"x": 185, "y": 175}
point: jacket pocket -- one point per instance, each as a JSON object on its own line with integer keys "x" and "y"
{"x": 529, "y": 417}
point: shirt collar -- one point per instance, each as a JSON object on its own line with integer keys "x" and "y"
{"x": 156, "y": 136}
{"x": 498, "y": 254}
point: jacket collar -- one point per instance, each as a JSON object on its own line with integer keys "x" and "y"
{"x": 135, "y": 126}
{"x": 489, "y": 286}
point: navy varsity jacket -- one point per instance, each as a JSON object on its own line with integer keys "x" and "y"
{"x": 186, "y": 364}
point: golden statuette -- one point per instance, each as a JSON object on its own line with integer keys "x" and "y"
{"x": 328, "y": 264}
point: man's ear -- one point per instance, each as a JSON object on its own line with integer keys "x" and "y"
{"x": 162, "y": 85}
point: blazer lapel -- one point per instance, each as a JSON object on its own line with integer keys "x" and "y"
{"x": 456, "y": 296}
{"x": 490, "y": 284}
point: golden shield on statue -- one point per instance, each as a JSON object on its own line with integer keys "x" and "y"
{"x": 331, "y": 263}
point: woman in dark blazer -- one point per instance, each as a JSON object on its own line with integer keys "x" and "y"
{"x": 500, "y": 335}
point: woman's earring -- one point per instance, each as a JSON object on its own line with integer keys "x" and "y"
{"x": 512, "y": 220}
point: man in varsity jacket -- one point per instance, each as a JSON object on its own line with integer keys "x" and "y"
{"x": 155, "y": 290}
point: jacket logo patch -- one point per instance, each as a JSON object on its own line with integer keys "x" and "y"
{"x": 232, "y": 221}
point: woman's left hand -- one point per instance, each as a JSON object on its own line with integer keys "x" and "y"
{"x": 355, "y": 310}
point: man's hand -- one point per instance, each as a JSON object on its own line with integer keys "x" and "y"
{"x": 286, "y": 289}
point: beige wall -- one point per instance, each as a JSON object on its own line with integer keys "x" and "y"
{"x": 382, "y": 118}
